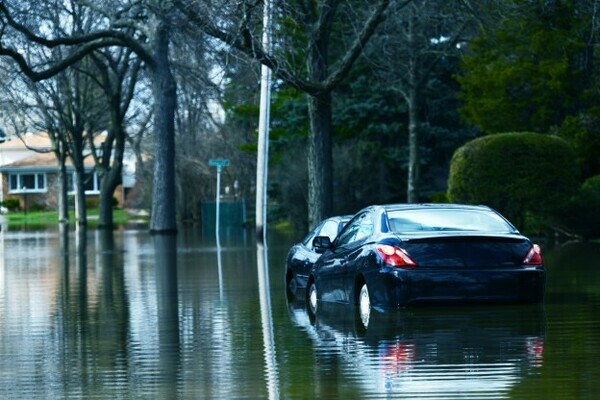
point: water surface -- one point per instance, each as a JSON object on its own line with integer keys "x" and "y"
{"x": 129, "y": 315}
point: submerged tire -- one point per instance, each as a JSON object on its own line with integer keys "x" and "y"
{"x": 364, "y": 305}
{"x": 312, "y": 297}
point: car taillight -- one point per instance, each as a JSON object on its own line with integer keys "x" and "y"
{"x": 394, "y": 256}
{"x": 534, "y": 256}
{"x": 535, "y": 350}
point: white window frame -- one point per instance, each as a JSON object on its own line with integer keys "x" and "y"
{"x": 20, "y": 187}
{"x": 95, "y": 180}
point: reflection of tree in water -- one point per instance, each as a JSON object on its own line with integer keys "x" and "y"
{"x": 165, "y": 247}
{"x": 91, "y": 320}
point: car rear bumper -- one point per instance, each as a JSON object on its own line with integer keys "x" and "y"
{"x": 404, "y": 287}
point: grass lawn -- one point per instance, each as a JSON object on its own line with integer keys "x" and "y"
{"x": 44, "y": 218}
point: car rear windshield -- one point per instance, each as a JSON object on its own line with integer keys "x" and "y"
{"x": 404, "y": 221}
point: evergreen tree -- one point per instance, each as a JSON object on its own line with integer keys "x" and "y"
{"x": 532, "y": 67}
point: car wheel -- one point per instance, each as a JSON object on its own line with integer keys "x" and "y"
{"x": 311, "y": 297}
{"x": 364, "y": 305}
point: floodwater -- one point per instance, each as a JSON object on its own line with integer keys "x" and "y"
{"x": 129, "y": 315}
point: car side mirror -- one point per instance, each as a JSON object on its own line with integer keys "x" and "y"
{"x": 321, "y": 244}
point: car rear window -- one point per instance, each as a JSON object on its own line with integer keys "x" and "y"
{"x": 405, "y": 221}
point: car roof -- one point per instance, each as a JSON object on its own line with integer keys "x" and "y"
{"x": 340, "y": 217}
{"x": 431, "y": 206}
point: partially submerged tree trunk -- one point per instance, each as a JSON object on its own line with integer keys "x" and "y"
{"x": 79, "y": 179}
{"x": 119, "y": 76}
{"x": 110, "y": 178}
{"x": 163, "y": 218}
{"x": 63, "y": 199}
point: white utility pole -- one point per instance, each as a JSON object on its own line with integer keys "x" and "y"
{"x": 263, "y": 131}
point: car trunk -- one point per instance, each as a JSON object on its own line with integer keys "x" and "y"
{"x": 467, "y": 251}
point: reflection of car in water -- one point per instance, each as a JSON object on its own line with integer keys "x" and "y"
{"x": 428, "y": 352}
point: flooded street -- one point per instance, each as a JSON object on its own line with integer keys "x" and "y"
{"x": 129, "y": 315}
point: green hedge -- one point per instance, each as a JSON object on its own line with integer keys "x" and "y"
{"x": 518, "y": 174}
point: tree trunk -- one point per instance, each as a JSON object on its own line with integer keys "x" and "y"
{"x": 320, "y": 160}
{"x": 414, "y": 156}
{"x": 163, "y": 219}
{"x": 110, "y": 178}
{"x": 79, "y": 178}
{"x": 63, "y": 198}
{"x": 80, "y": 207}
{"x": 320, "y": 164}
{"x": 105, "y": 206}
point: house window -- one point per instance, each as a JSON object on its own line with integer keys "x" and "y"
{"x": 90, "y": 183}
{"x": 27, "y": 183}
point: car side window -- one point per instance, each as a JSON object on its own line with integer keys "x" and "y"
{"x": 329, "y": 229}
{"x": 309, "y": 238}
{"x": 358, "y": 229}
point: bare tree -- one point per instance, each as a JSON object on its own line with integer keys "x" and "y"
{"x": 68, "y": 108}
{"x": 414, "y": 40}
{"x": 79, "y": 110}
{"x": 118, "y": 73}
{"x": 27, "y": 107}
{"x": 146, "y": 29}
{"x": 303, "y": 58}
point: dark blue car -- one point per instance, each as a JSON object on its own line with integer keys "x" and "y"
{"x": 395, "y": 255}
{"x": 302, "y": 256}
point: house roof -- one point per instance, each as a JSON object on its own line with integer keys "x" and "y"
{"x": 38, "y": 141}
{"x": 42, "y": 162}
{"x": 41, "y": 158}
{"x": 39, "y": 162}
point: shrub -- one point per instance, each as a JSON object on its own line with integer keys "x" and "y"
{"x": 515, "y": 173}
{"x": 12, "y": 204}
{"x": 580, "y": 215}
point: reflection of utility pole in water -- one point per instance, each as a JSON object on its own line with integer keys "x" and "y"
{"x": 272, "y": 377}
{"x": 220, "y": 270}
{"x": 219, "y": 163}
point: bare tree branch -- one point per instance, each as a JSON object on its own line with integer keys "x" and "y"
{"x": 89, "y": 42}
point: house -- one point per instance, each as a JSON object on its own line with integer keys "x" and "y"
{"x": 29, "y": 173}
